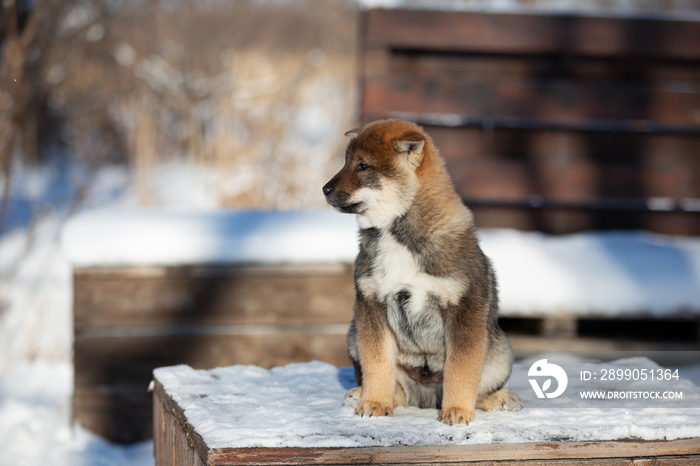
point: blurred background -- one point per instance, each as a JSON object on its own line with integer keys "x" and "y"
{"x": 554, "y": 116}
{"x": 241, "y": 91}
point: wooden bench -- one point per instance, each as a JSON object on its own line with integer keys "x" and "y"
{"x": 553, "y": 123}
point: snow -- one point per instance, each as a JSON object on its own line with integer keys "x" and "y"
{"x": 36, "y": 322}
{"x": 301, "y": 405}
{"x": 592, "y": 273}
{"x": 175, "y": 237}
{"x": 595, "y": 273}
{"x": 36, "y": 426}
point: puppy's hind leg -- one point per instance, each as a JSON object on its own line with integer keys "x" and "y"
{"x": 352, "y": 397}
{"x": 502, "y": 399}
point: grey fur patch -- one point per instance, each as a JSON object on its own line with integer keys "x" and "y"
{"x": 439, "y": 259}
{"x": 405, "y": 328}
{"x": 369, "y": 238}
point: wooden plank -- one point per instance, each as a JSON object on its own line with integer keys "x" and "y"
{"x": 161, "y": 417}
{"x": 169, "y": 437}
{"x": 174, "y": 444}
{"x": 235, "y": 295}
{"x": 646, "y": 150}
{"x": 653, "y": 154}
{"x": 676, "y": 461}
{"x": 436, "y": 63}
{"x": 561, "y": 326}
{"x": 563, "y": 221}
{"x": 503, "y": 85}
{"x": 214, "y": 270}
{"x": 112, "y": 396}
{"x": 549, "y": 102}
{"x": 566, "y": 166}
{"x": 116, "y": 360}
{"x": 527, "y": 346}
{"x": 177, "y": 425}
{"x": 458, "y": 454}
{"x": 532, "y": 34}
{"x": 279, "y": 458}
{"x": 519, "y": 218}
{"x": 578, "y": 181}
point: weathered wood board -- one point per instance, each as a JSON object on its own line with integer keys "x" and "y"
{"x": 131, "y": 320}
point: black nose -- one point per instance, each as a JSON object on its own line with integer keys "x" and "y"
{"x": 327, "y": 189}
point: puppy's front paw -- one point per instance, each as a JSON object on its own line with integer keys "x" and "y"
{"x": 453, "y": 416}
{"x": 372, "y": 408}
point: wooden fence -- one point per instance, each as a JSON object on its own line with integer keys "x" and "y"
{"x": 550, "y": 123}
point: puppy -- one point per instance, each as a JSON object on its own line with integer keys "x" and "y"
{"x": 425, "y": 330}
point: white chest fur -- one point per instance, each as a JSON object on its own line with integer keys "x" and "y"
{"x": 412, "y": 296}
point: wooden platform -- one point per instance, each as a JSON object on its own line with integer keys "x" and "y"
{"x": 177, "y": 443}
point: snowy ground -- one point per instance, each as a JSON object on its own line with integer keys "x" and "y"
{"x": 35, "y": 423}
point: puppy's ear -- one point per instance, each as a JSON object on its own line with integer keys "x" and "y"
{"x": 411, "y": 145}
{"x": 353, "y": 133}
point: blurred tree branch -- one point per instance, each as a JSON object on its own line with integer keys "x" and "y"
{"x": 22, "y": 31}
{"x": 96, "y": 82}
{"x": 12, "y": 89}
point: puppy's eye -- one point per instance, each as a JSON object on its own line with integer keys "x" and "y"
{"x": 361, "y": 166}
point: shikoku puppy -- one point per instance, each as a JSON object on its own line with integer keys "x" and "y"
{"x": 425, "y": 330}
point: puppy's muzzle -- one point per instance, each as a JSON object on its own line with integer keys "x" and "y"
{"x": 339, "y": 198}
{"x": 335, "y": 198}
